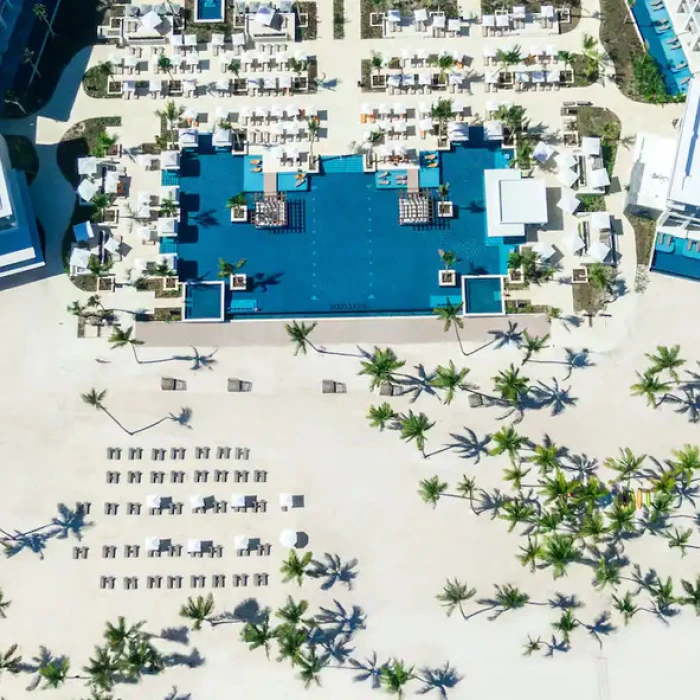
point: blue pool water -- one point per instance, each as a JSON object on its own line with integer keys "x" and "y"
{"x": 203, "y": 301}
{"x": 343, "y": 251}
{"x": 210, "y": 10}
{"x": 673, "y": 256}
{"x": 483, "y": 295}
{"x": 667, "y": 57}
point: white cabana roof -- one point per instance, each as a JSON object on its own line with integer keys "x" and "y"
{"x": 493, "y": 130}
{"x": 488, "y": 20}
{"x": 170, "y": 160}
{"x": 490, "y": 51}
{"x": 286, "y": 500}
{"x": 129, "y": 86}
{"x": 393, "y": 16}
{"x": 194, "y": 546}
{"x": 598, "y": 251}
{"x": 544, "y": 250}
{"x": 568, "y": 203}
{"x": 241, "y": 542}
{"x": 190, "y": 39}
{"x": 265, "y": 15}
{"x": 565, "y": 159}
{"x": 542, "y": 152}
{"x": 151, "y": 20}
{"x": 458, "y": 131}
{"x": 112, "y": 245}
{"x": 567, "y": 177}
{"x": 188, "y": 137}
{"x": 83, "y": 232}
{"x": 574, "y": 242}
{"x": 600, "y": 220}
{"x": 155, "y": 85}
{"x": 599, "y": 178}
{"x": 288, "y": 538}
{"x": 145, "y": 233}
{"x": 87, "y": 189}
{"x": 196, "y": 501}
{"x": 238, "y": 39}
{"x": 420, "y": 15}
{"x": 222, "y": 137}
{"x": 167, "y": 226}
{"x": 238, "y": 500}
{"x": 217, "y": 39}
{"x": 590, "y": 145}
{"x": 153, "y": 501}
{"x": 512, "y": 202}
{"x": 79, "y": 258}
{"x": 152, "y": 544}
{"x": 111, "y": 183}
{"x": 87, "y": 165}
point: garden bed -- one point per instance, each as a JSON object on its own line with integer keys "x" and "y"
{"x": 644, "y": 236}
{"x": 23, "y": 156}
{"x": 170, "y": 313}
{"x": 597, "y": 121}
{"x": 587, "y": 298}
{"x": 310, "y": 31}
{"x": 591, "y": 202}
{"x": 79, "y": 141}
{"x": 618, "y": 34}
{"x": 338, "y": 19}
{"x": 95, "y": 82}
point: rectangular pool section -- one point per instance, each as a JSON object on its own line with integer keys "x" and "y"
{"x": 204, "y": 301}
{"x": 209, "y": 11}
{"x": 343, "y": 251}
{"x": 676, "y": 256}
{"x": 483, "y": 296}
{"x": 672, "y": 61}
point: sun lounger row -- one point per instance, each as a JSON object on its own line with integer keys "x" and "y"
{"x": 179, "y": 476}
{"x": 252, "y": 505}
{"x": 159, "y": 453}
{"x": 131, "y": 583}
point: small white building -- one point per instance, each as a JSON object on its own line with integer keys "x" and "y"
{"x": 651, "y": 174}
{"x": 513, "y": 203}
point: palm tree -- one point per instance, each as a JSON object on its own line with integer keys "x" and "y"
{"x": 95, "y": 398}
{"x": 545, "y": 457}
{"x": 512, "y": 117}
{"x": 41, "y": 13}
{"x": 380, "y": 416}
{"x": 450, "y": 379}
{"x": 651, "y": 386}
{"x": 511, "y": 386}
{"x": 295, "y": 568}
{"x": 566, "y": 57}
{"x": 311, "y": 667}
{"x": 414, "y": 427}
{"x": 102, "y": 668}
{"x": 226, "y": 269}
{"x": 237, "y": 201}
{"x": 627, "y": 465}
{"x": 449, "y": 314}
{"x": 592, "y": 525}
{"x": 679, "y": 539}
{"x": 532, "y": 645}
{"x": 589, "y": 44}
{"x": 141, "y": 657}
{"x": 259, "y": 634}
{"x": 693, "y": 594}
{"x": 381, "y": 367}
{"x": 601, "y": 277}
{"x": 443, "y": 191}
{"x": 299, "y": 335}
{"x": 171, "y": 114}
{"x": 376, "y": 61}
{"x": 292, "y": 613}
{"x": 4, "y": 604}
{"x": 560, "y": 551}
{"x": 532, "y": 344}
{"x": 165, "y": 65}
{"x": 625, "y": 606}
{"x": 235, "y": 66}
{"x": 198, "y": 610}
{"x": 531, "y": 553}
{"x": 394, "y": 676}
{"x": 508, "y": 597}
{"x": 515, "y": 475}
{"x": 10, "y": 660}
{"x": 517, "y": 510}
{"x": 507, "y": 441}
{"x": 442, "y": 112}
{"x": 557, "y": 487}
{"x": 686, "y": 462}
{"x": 465, "y": 488}
{"x": 28, "y": 56}
{"x": 621, "y": 518}
{"x": 290, "y": 641}
{"x": 103, "y": 143}
{"x": 312, "y": 128}
{"x": 666, "y": 360}
{"x": 120, "y": 338}
{"x": 118, "y": 636}
{"x": 566, "y": 624}
{"x": 454, "y": 594}
{"x": 55, "y": 672}
{"x": 168, "y": 207}
{"x": 431, "y": 489}
{"x": 607, "y": 573}
{"x": 510, "y": 57}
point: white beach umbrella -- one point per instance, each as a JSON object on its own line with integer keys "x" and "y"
{"x": 241, "y": 542}
{"x": 590, "y": 145}
{"x": 238, "y": 500}
{"x": 544, "y": 250}
{"x": 599, "y": 178}
{"x": 288, "y": 538}
{"x": 566, "y": 160}
{"x": 567, "y": 177}
{"x": 286, "y": 500}
{"x": 574, "y": 242}
{"x": 542, "y": 152}
{"x": 152, "y": 544}
{"x": 194, "y": 546}
{"x": 598, "y": 251}
{"x": 153, "y": 501}
{"x": 87, "y": 189}
{"x": 600, "y": 220}
{"x": 568, "y": 203}
{"x": 196, "y": 501}
{"x": 151, "y": 20}
{"x": 87, "y": 165}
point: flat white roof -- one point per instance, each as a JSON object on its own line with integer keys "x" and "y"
{"x": 5, "y": 203}
{"x": 512, "y": 202}
{"x": 652, "y": 170}
{"x": 685, "y": 178}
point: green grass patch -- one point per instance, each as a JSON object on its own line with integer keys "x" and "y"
{"x": 585, "y": 71}
{"x": 95, "y": 82}
{"x": 338, "y": 19}
{"x": 79, "y": 141}
{"x": 597, "y": 121}
{"x": 23, "y": 156}
{"x": 591, "y": 202}
{"x": 310, "y": 31}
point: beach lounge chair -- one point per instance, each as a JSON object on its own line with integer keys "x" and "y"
{"x": 171, "y": 384}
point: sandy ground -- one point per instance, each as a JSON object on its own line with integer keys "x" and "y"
{"x": 359, "y": 487}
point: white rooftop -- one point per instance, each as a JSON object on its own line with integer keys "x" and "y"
{"x": 512, "y": 202}
{"x": 685, "y": 177}
{"x": 651, "y": 171}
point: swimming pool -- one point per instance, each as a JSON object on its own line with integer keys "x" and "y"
{"x": 203, "y": 301}
{"x": 676, "y": 257}
{"x": 209, "y": 11}
{"x": 672, "y": 61}
{"x": 343, "y": 251}
{"x": 483, "y": 295}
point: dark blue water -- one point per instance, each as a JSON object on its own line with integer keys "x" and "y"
{"x": 483, "y": 296}
{"x": 210, "y": 10}
{"x": 680, "y": 262}
{"x": 203, "y": 301}
{"x": 344, "y": 251}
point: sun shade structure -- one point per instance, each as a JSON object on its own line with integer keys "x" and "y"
{"x": 241, "y": 542}
{"x": 83, "y": 232}
{"x": 151, "y": 21}
{"x": 196, "y": 501}
{"x": 87, "y": 165}
{"x": 286, "y": 501}
{"x": 542, "y": 152}
{"x": 152, "y": 544}
{"x": 544, "y": 250}
{"x": 513, "y": 202}
{"x": 170, "y": 160}
{"x": 567, "y": 177}
{"x": 238, "y": 500}
{"x": 600, "y": 220}
{"x": 590, "y": 146}
{"x": 265, "y": 15}
{"x": 568, "y": 203}
{"x": 574, "y": 242}
{"x": 599, "y": 178}
{"x": 153, "y": 501}
{"x": 288, "y": 538}
{"x": 566, "y": 160}
{"x": 598, "y": 251}
{"x": 194, "y": 546}
{"x": 87, "y": 189}
{"x": 79, "y": 258}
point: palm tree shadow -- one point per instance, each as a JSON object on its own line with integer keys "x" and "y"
{"x": 369, "y": 670}
{"x": 419, "y": 384}
{"x": 601, "y": 627}
{"x": 43, "y": 658}
{"x": 334, "y": 570}
{"x": 249, "y": 611}
{"x": 581, "y": 464}
{"x": 174, "y": 694}
{"x": 192, "y": 660}
{"x": 557, "y": 398}
{"x": 70, "y": 522}
{"x": 509, "y": 336}
{"x": 561, "y": 601}
{"x": 179, "y": 635}
{"x": 469, "y": 446}
{"x": 689, "y": 405}
{"x": 561, "y": 646}
{"x": 580, "y": 359}
{"x": 182, "y": 418}
{"x": 491, "y": 502}
{"x": 441, "y": 679}
{"x": 342, "y": 621}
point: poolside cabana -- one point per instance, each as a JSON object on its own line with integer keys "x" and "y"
{"x": 152, "y": 544}
{"x": 590, "y": 146}
{"x": 288, "y": 538}
{"x": 113, "y": 246}
{"x": 241, "y": 542}
{"x": 542, "y": 152}
{"x": 188, "y": 138}
{"x": 196, "y": 502}
{"x": 567, "y": 177}
{"x": 112, "y": 182}
{"x": 286, "y": 501}
{"x": 167, "y": 227}
{"x": 170, "y": 160}
{"x": 513, "y": 202}
{"x": 84, "y": 232}
{"x": 566, "y": 159}
{"x": 544, "y": 250}
{"x": 458, "y": 132}
{"x": 87, "y": 166}
{"x": 568, "y": 203}
{"x": 222, "y": 138}
{"x": 599, "y": 251}
{"x": 153, "y": 501}
{"x": 79, "y": 260}
{"x": 493, "y": 130}
{"x": 237, "y": 500}
{"x": 86, "y": 190}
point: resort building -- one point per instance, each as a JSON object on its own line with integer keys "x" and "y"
{"x": 650, "y": 176}
{"x": 513, "y": 202}
{"x": 20, "y": 248}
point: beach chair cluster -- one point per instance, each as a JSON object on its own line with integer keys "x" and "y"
{"x": 503, "y": 21}
{"x": 158, "y": 581}
{"x": 179, "y": 453}
{"x": 423, "y": 21}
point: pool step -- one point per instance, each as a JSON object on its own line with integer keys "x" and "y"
{"x": 342, "y": 164}
{"x": 269, "y": 183}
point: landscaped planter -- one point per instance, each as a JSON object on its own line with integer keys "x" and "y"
{"x": 376, "y": 19}
{"x": 447, "y": 278}
{"x": 106, "y": 284}
{"x": 445, "y": 210}
{"x": 238, "y": 283}
{"x": 515, "y": 275}
{"x": 580, "y": 275}
{"x": 377, "y": 81}
{"x": 170, "y": 282}
{"x": 443, "y": 143}
{"x": 239, "y": 215}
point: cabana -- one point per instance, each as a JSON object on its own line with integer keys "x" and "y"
{"x": 86, "y": 190}
{"x": 599, "y": 178}
{"x": 237, "y": 500}
{"x": 567, "y": 177}
{"x": 599, "y": 251}
{"x": 167, "y": 227}
{"x": 188, "y": 138}
{"x": 152, "y": 544}
{"x": 87, "y": 166}
{"x": 288, "y": 538}
{"x": 113, "y": 246}
{"x": 155, "y": 86}
{"x": 83, "y": 232}
{"x": 112, "y": 182}
{"x": 542, "y": 152}
{"x": 153, "y": 501}
{"x": 574, "y": 242}
{"x": 194, "y": 546}
{"x": 544, "y": 250}
{"x": 151, "y": 21}
{"x": 241, "y": 542}
{"x": 513, "y": 202}
{"x": 222, "y": 138}
{"x": 170, "y": 160}
{"x": 286, "y": 501}
{"x": 566, "y": 160}
{"x": 458, "y": 131}
{"x": 493, "y": 130}
{"x": 79, "y": 260}
{"x": 568, "y": 203}
{"x": 129, "y": 88}
{"x": 420, "y": 16}
{"x": 600, "y": 220}
{"x": 265, "y": 15}
{"x": 590, "y": 146}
